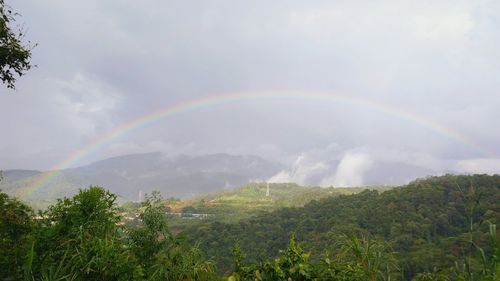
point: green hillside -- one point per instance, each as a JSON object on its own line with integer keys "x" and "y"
{"x": 253, "y": 198}
{"x": 426, "y": 223}
{"x": 231, "y": 206}
{"x": 437, "y": 229}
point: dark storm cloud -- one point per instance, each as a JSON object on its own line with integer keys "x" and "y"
{"x": 102, "y": 63}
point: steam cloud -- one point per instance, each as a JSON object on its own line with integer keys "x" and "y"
{"x": 350, "y": 171}
{"x": 302, "y": 171}
{"x": 306, "y": 170}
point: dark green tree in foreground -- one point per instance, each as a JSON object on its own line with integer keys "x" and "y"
{"x": 14, "y": 55}
{"x": 162, "y": 255}
{"x": 16, "y": 224}
{"x": 84, "y": 238}
{"x": 79, "y": 238}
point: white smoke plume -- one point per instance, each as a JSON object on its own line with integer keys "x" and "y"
{"x": 303, "y": 171}
{"x": 350, "y": 170}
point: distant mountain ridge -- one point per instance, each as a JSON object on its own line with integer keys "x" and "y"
{"x": 127, "y": 175}
{"x": 182, "y": 176}
{"x": 17, "y": 174}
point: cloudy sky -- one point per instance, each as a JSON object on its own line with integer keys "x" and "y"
{"x": 102, "y": 64}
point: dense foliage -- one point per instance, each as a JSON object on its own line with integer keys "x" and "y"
{"x": 14, "y": 56}
{"x": 16, "y": 223}
{"x": 435, "y": 229}
{"x": 429, "y": 224}
{"x": 81, "y": 238}
{"x": 231, "y": 206}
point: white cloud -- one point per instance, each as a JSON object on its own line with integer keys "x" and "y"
{"x": 302, "y": 171}
{"x": 479, "y": 166}
{"x": 101, "y": 63}
{"x": 445, "y": 25}
{"x": 350, "y": 170}
{"x": 86, "y": 104}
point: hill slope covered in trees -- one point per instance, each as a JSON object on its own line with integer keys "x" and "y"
{"x": 427, "y": 223}
{"x": 441, "y": 228}
{"x": 249, "y": 201}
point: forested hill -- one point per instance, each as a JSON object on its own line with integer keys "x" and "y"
{"x": 425, "y": 222}
{"x": 436, "y": 229}
{"x": 253, "y": 199}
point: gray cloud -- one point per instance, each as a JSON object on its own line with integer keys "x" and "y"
{"x": 103, "y": 63}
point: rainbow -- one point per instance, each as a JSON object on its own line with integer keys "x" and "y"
{"x": 219, "y": 100}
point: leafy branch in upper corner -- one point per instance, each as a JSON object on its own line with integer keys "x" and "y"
{"x": 14, "y": 55}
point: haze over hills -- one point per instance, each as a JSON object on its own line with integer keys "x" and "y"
{"x": 184, "y": 176}
{"x": 127, "y": 175}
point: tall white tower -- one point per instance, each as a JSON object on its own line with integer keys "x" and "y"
{"x": 267, "y": 192}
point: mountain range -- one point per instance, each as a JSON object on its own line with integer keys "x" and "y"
{"x": 131, "y": 176}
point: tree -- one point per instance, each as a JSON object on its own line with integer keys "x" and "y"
{"x": 14, "y": 55}
{"x": 15, "y": 227}
{"x": 80, "y": 238}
